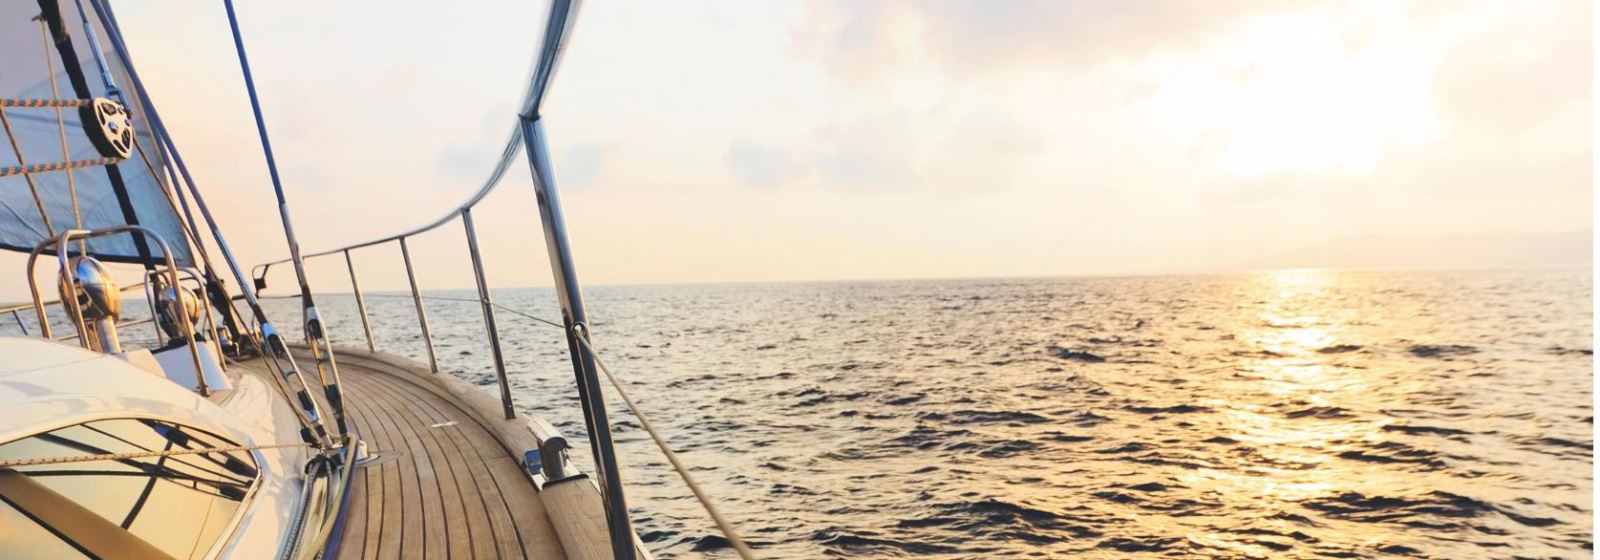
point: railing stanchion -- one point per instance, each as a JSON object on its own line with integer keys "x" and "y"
{"x": 573, "y": 315}
{"x": 489, "y": 325}
{"x": 416, "y": 296}
{"x": 361, "y": 303}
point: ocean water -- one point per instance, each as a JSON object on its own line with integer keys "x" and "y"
{"x": 1302, "y": 414}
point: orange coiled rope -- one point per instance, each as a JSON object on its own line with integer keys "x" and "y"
{"x": 44, "y": 102}
{"x": 55, "y": 166}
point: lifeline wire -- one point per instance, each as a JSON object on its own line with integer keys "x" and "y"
{"x": 120, "y": 456}
{"x": 705, "y": 501}
{"x": 723, "y": 524}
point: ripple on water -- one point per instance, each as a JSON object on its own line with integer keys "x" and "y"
{"x": 1295, "y": 415}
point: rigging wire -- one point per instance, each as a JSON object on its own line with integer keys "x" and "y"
{"x": 66, "y": 459}
{"x": 672, "y": 457}
{"x": 269, "y": 342}
{"x": 315, "y": 330}
{"x": 700, "y": 495}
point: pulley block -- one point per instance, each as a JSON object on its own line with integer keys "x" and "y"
{"x": 106, "y": 123}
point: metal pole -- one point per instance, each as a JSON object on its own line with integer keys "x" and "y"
{"x": 422, "y": 315}
{"x": 313, "y": 430}
{"x": 99, "y": 57}
{"x": 315, "y": 329}
{"x": 488, "y": 315}
{"x": 18, "y": 319}
{"x": 361, "y": 303}
{"x": 572, "y": 313}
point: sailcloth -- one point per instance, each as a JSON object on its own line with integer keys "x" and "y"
{"x": 141, "y": 197}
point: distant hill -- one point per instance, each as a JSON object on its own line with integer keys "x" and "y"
{"x": 1488, "y": 250}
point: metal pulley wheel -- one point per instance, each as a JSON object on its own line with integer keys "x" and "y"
{"x": 106, "y": 123}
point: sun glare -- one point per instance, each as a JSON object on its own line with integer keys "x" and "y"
{"x": 1296, "y": 94}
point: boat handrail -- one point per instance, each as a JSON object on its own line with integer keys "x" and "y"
{"x": 29, "y": 306}
{"x": 190, "y": 274}
{"x": 508, "y": 154}
{"x": 61, "y": 245}
{"x": 530, "y": 136}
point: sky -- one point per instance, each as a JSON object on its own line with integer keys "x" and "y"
{"x": 708, "y": 141}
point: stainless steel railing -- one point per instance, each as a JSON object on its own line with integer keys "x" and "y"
{"x": 529, "y": 134}
{"x": 491, "y": 326}
{"x": 61, "y": 245}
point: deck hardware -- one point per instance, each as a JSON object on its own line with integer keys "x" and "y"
{"x": 171, "y": 309}
{"x": 75, "y": 307}
{"x": 532, "y": 462}
{"x": 273, "y": 349}
{"x": 97, "y": 299}
{"x": 106, "y": 123}
{"x": 552, "y": 451}
{"x": 316, "y": 336}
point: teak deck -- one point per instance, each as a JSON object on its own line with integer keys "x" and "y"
{"x": 441, "y": 487}
{"x": 441, "y": 484}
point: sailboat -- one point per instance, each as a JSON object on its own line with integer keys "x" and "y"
{"x": 184, "y": 423}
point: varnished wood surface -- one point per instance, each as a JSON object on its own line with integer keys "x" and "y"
{"x": 443, "y": 486}
{"x": 581, "y": 526}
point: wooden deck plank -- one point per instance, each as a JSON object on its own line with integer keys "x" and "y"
{"x": 530, "y": 536}
{"x": 403, "y": 537}
{"x": 426, "y": 532}
{"x": 438, "y": 492}
{"x": 362, "y": 540}
{"x": 503, "y": 525}
{"x": 447, "y": 459}
{"x": 583, "y": 528}
{"x": 356, "y": 519}
{"x": 388, "y": 500}
{"x": 507, "y": 540}
{"x": 531, "y": 520}
{"x": 461, "y": 453}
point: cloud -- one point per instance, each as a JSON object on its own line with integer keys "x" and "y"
{"x": 866, "y": 152}
{"x": 945, "y": 149}
{"x": 863, "y": 38}
{"x": 757, "y": 165}
{"x": 1520, "y": 71}
{"x": 582, "y": 165}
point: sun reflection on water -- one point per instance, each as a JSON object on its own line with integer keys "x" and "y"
{"x": 1289, "y": 407}
{"x": 1296, "y": 415}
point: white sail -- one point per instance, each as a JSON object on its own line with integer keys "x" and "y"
{"x": 28, "y": 54}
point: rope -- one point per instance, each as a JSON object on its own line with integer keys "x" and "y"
{"x": 29, "y": 103}
{"x": 723, "y": 524}
{"x": 12, "y": 463}
{"x": 705, "y": 501}
{"x": 61, "y": 125}
{"x": 32, "y": 188}
{"x": 57, "y": 166}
